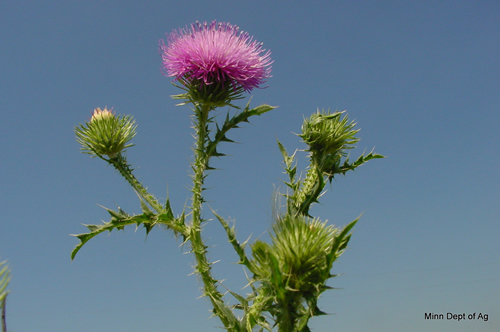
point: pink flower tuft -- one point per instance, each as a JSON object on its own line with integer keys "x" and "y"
{"x": 215, "y": 53}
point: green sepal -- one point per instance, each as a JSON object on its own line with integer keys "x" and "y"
{"x": 213, "y": 95}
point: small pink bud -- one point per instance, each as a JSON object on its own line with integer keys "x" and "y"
{"x": 101, "y": 114}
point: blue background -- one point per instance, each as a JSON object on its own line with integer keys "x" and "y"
{"x": 421, "y": 78}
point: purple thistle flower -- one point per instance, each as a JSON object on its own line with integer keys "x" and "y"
{"x": 215, "y": 53}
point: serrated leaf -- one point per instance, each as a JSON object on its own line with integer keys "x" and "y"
{"x": 231, "y": 235}
{"x": 339, "y": 242}
{"x": 121, "y": 219}
{"x": 347, "y": 166}
{"x": 231, "y": 123}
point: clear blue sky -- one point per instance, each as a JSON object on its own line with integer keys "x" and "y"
{"x": 421, "y": 78}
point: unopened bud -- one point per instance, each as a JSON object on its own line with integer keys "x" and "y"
{"x": 328, "y": 136}
{"x": 106, "y": 133}
{"x": 101, "y": 114}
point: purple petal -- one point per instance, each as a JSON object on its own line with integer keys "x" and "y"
{"x": 215, "y": 52}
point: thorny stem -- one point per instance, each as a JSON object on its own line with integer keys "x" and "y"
{"x": 120, "y": 163}
{"x": 287, "y": 320}
{"x": 309, "y": 191}
{"x": 307, "y": 185}
{"x": 200, "y": 165}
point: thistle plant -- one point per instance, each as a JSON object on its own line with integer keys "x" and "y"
{"x": 215, "y": 64}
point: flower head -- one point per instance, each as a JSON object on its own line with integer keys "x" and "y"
{"x": 216, "y": 57}
{"x": 106, "y": 133}
{"x": 328, "y": 136}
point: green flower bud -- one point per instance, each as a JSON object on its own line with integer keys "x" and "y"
{"x": 294, "y": 268}
{"x": 328, "y": 136}
{"x": 106, "y": 133}
{"x": 302, "y": 246}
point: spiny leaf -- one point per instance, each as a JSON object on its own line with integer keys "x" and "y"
{"x": 230, "y": 123}
{"x": 352, "y": 166}
{"x": 121, "y": 219}
{"x": 340, "y": 242}
{"x": 261, "y": 109}
{"x": 240, "y": 249}
{"x": 288, "y": 160}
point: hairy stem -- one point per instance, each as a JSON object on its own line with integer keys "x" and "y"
{"x": 309, "y": 192}
{"x": 120, "y": 163}
{"x": 200, "y": 166}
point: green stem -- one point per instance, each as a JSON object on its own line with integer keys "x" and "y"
{"x": 120, "y": 163}
{"x": 309, "y": 192}
{"x": 290, "y": 305}
{"x": 200, "y": 166}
